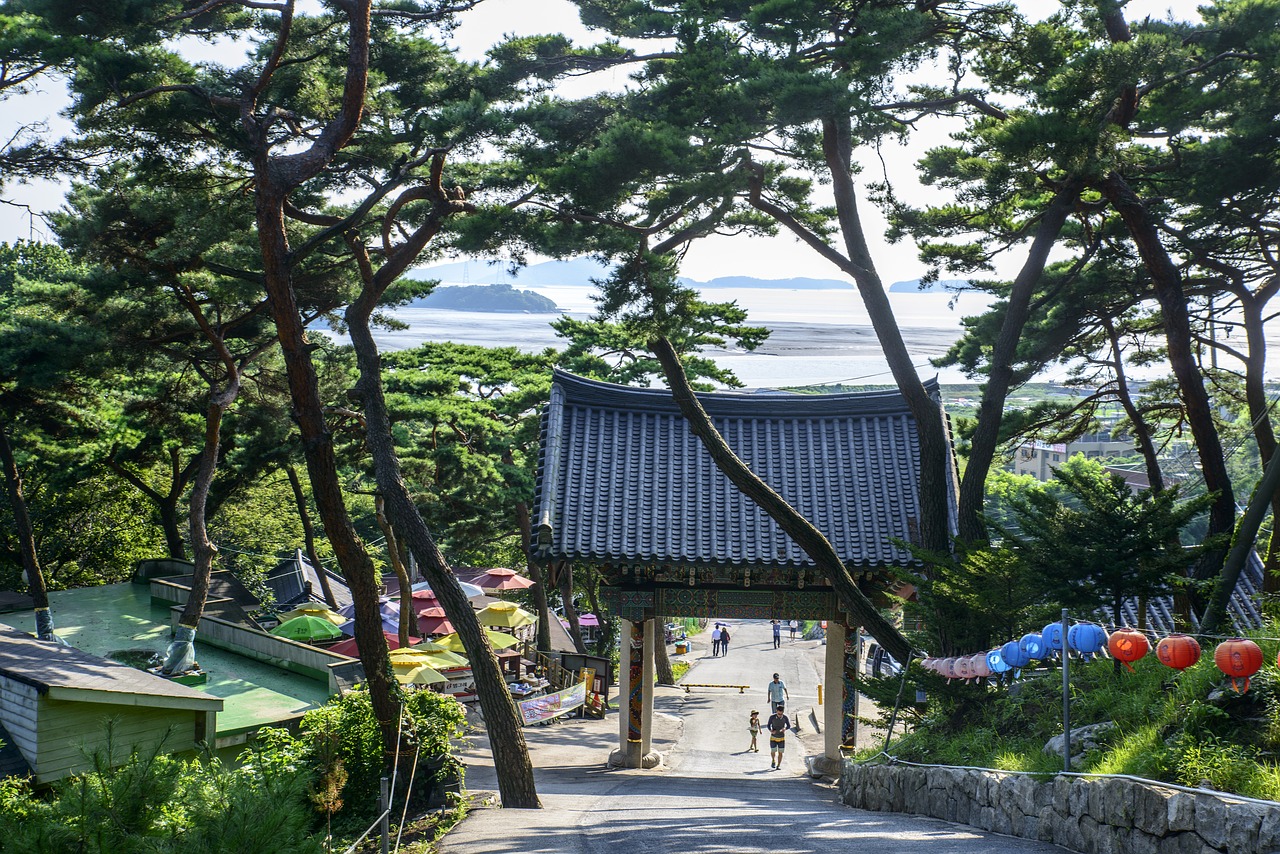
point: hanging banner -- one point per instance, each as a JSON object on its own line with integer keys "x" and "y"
{"x": 538, "y": 709}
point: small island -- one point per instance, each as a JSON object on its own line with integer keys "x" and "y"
{"x": 490, "y": 298}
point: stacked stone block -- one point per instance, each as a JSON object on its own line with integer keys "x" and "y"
{"x": 1091, "y": 815}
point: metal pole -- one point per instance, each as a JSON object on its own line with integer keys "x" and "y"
{"x": 1066, "y": 698}
{"x": 384, "y": 826}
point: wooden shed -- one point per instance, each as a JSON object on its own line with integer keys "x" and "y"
{"x": 56, "y": 701}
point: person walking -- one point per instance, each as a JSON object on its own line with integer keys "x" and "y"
{"x": 777, "y": 692}
{"x": 777, "y": 633}
{"x": 724, "y": 640}
{"x": 753, "y": 726}
{"x": 715, "y": 640}
{"x": 795, "y": 627}
{"x": 778, "y": 725}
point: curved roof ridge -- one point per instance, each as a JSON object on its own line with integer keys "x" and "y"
{"x": 580, "y": 390}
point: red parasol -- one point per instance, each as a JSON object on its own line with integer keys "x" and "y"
{"x": 502, "y": 579}
{"x": 348, "y": 646}
{"x": 422, "y": 599}
{"x": 432, "y": 621}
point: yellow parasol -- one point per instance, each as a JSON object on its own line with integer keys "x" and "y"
{"x": 506, "y": 614}
{"x": 438, "y": 656}
{"x": 499, "y": 640}
{"x": 411, "y": 668}
{"x": 419, "y": 674}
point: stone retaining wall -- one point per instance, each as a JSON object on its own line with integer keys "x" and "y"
{"x": 1090, "y": 815}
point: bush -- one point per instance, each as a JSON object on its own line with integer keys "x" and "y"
{"x": 345, "y": 739}
{"x": 156, "y": 803}
{"x": 1188, "y": 728}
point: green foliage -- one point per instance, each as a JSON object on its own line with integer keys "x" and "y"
{"x": 345, "y": 731}
{"x": 1100, "y": 542}
{"x": 641, "y": 301}
{"x": 1188, "y": 728}
{"x": 277, "y": 791}
{"x": 159, "y": 803}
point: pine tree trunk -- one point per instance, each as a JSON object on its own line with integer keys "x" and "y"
{"x": 1215, "y": 618}
{"x": 935, "y": 485}
{"x": 202, "y": 548}
{"x": 275, "y": 176}
{"x": 309, "y": 534}
{"x": 1181, "y": 353}
{"x": 1141, "y": 430}
{"x": 26, "y": 533}
{"x": 1260, "y": 416}
{"x": 322, "y": 467}
{"x": 564, "y": 575}
{"x": 1000, "y": 378}
{"x": 408, "y": 619}
{"x": 801, "y": 531}
{"x": 506, "y": 736}
{"x": 535, "y": 572}
{"x": 662, "y": 661}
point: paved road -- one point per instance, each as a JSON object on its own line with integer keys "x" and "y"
{"x": 712, "y": 795}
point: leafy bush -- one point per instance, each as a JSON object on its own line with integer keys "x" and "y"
{"x": 1188, "y": 728}
{"x": 344, "y": 734}
{"x": 157, "y": 803}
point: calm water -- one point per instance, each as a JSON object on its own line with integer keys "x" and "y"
{"x": 818, "y": 336}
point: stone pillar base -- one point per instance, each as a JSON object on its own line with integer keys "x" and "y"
{"x": 627, "y": 759}
{"x": 823, "y": 766}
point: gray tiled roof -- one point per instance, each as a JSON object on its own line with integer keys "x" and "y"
{"x": 621, "y": 479}
{"x": 45, "y": 665}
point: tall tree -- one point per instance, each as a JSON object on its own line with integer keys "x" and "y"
{"x": 1099, "y": 542}
{"x": 47, "y": 364}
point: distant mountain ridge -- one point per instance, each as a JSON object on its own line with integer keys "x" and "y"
{"x": 579, "y": 272}
{"x": 498, "y": 297}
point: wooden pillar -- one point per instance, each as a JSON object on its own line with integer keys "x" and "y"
{"x": 833, "y": 679}
{"x": 650, "y": 637}
{"x": 635, "y": 682}
{"x": 852, "y": 660}
{"x": 630, "y": 681}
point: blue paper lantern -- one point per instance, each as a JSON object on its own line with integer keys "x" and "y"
{"x": 1014, "y": 655}
{"x": 1052, "y": 637}
{"x": 1032, "y": 645}
{"x": 1086, "y": 638}
{"x": 996, "y": 662}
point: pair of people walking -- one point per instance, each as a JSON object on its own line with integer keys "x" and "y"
{"x": 778, "y": 722}
{"x": 720, "y": 640}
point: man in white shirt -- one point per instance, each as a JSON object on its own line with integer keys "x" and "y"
{"x": 777, "y": 692}
{"x": 715, "y": 640}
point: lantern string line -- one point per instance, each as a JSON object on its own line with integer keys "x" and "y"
{"x": 893, "y": 760}
{"x": 1154, "y": 635}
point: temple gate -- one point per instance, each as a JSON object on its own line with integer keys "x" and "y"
{"x": 623, "y": 485}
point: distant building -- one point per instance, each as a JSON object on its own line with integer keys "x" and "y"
{"x": 1038, "y": 459}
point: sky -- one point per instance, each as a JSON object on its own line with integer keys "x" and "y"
{"x": 779, "y": 257}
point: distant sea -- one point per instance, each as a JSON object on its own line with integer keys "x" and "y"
{"x": 819, "y": 337}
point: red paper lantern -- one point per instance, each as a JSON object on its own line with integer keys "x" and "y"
{"x": 1127, "y": 645}
{"x": 1239, "y": 658}
{"x": 1178, "y": 651}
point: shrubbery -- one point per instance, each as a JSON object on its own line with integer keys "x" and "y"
{"x": 1187, "y": 728}
{"x": 277, "y": 796}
